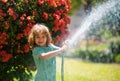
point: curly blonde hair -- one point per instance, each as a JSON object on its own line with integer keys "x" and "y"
{"x": 38, "y": 28}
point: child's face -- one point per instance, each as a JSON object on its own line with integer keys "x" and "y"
{"x": 40, "y": 39}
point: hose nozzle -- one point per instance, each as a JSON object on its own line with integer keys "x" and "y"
{"x": 67, "y": 42}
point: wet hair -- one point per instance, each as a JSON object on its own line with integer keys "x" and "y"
{"x": 38, "y": 28}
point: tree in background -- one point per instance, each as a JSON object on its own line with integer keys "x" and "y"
{"x": 16, "y": 19}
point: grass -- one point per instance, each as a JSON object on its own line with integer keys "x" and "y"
{"x": 77, "y": 70}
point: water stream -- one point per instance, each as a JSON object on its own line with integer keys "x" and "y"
{"x": 108, "y": 12}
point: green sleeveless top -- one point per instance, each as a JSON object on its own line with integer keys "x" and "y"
{"x": 46, "y": 68}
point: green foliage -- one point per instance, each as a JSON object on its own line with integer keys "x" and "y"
{"x": 106, "y": 51}
{"x": 114, "y": 46}
{"x": 75, "y": 4}
{"x": 117, "y": 58}
{"x": 95, "y": 56}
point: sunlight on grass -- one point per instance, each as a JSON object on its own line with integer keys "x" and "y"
{"x": 76, "y": 70}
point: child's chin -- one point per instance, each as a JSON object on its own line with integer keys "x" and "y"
{"x": 41, "y": 45}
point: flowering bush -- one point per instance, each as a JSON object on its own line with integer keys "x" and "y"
{"x": 16, "y": 19}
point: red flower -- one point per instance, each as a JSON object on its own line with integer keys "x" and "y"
{"x": 22, "y": 18}
{"x": 62, "y": 30}
{"x": 26, "y": 31}
{"x": 28, "y": 18}
{"x": 56, "y": 20}
{"x": 19, "y": 36}
{"x": 58, "y": 38}
{"x": 34, "y": 13}
{"x": 66, "y": 18}
{"x": 61, "y": 23}
{"x": 10, "y": 11}
{"x": 7, "y": 26}
{"x": 1, "y": 47}
{"x": 21, "y": 23}
{"x": 52, "y": 3}
{"x": 30, "y": 24}
{"x": 3, "y": 38}
{"x": 5, "y": 56}
{"x": 26, "y": 1}
{"x": 26, "y": 48}
{"x": 2, "y": 13}
{"x": 24, "y": 15}
{"x": 45, "y": 15}
{"x": 41, "y": 2}
{"x": 4, "y": 1}
{"x": 56, "y": 16}
{"x": 63, "y": 2}
{"x": 55, "y": 28}
{"x": 67, "y": 8}
{"x": 14, "y": 17}
{"x": 59, "y": 12}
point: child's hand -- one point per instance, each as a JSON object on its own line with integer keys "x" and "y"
{"x": 64, "y": 47}
{"x": 66, "y": 42}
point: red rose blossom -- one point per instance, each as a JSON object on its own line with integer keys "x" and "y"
{"x": 45, "y": 15}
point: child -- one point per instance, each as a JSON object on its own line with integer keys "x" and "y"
{"x": 44, "y": 53}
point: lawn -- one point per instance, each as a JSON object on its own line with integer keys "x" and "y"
{"x": 77, "y": 70}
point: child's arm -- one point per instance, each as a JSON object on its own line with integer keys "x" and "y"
{"x": 53, "y": 53}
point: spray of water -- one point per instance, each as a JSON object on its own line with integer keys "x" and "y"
{"x": 109, "y": 10}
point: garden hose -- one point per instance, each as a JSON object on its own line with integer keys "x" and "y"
{"x": 62, "y": 64}
{"x": 62, "y": 68}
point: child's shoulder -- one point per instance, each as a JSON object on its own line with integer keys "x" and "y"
{"x": 37, "y": 48}
{"x": 54, "y": 46}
